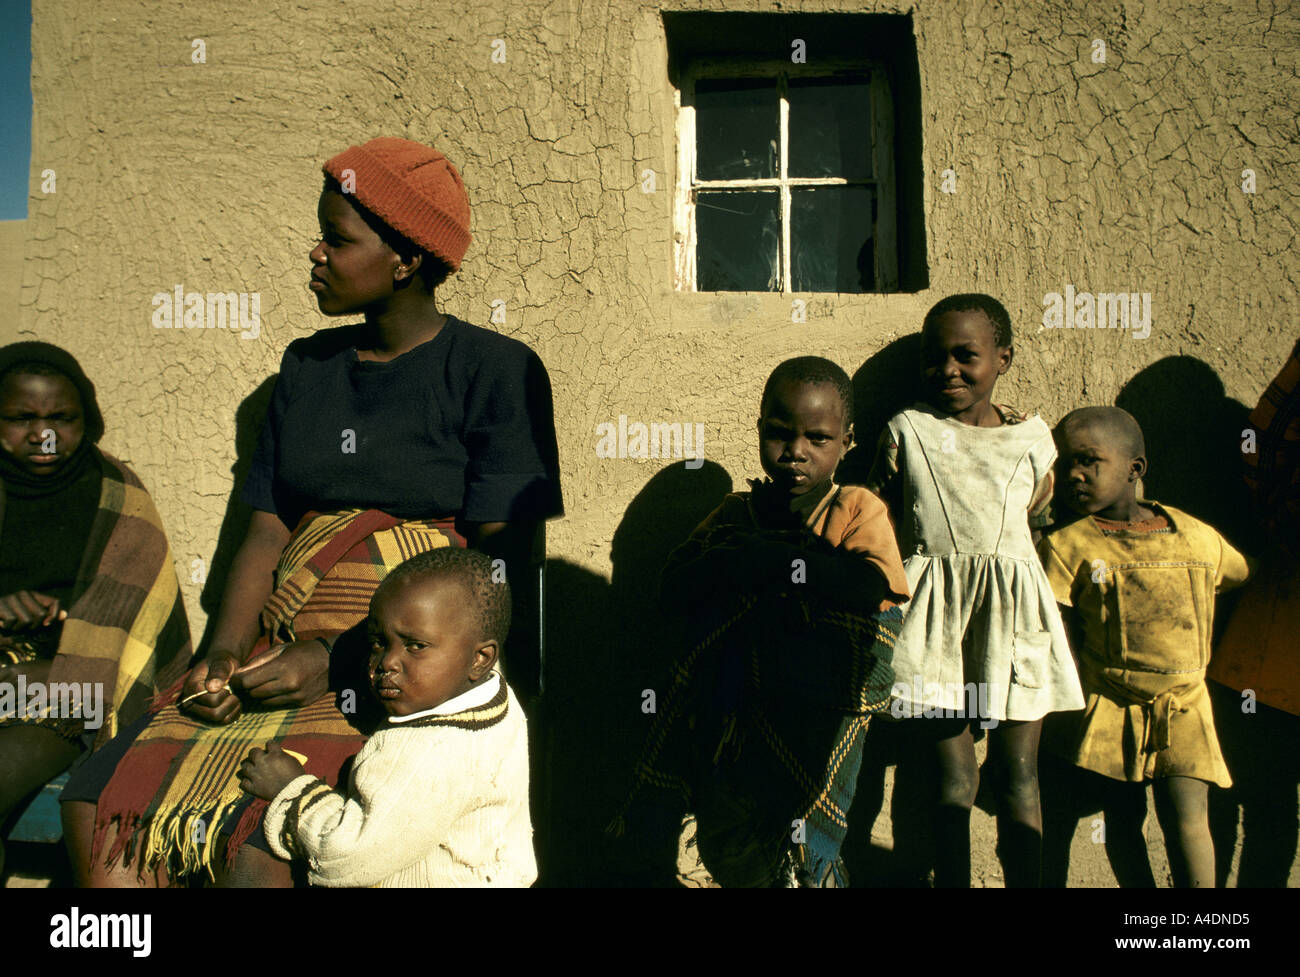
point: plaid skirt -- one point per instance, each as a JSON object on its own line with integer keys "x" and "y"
{"x": 176, "y": 789}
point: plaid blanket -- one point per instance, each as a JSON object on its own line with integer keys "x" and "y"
{"x": 126, "y": 629}
{"x": 177, "y": 789}
{"x": 762, "y": 727}
{"x": 1272, "y": 471}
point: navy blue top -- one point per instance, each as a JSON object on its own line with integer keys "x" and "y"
{"x": 461, "y": 425}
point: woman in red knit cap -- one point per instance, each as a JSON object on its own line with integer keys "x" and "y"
{"x": 399, "y": 434}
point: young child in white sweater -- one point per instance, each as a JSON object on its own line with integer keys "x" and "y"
{"x": 439, "y": 794}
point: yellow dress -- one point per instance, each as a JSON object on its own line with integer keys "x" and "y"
{"x": 1145, "y": 601}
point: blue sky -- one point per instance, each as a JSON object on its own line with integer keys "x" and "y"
{"x": 15, "y": 106}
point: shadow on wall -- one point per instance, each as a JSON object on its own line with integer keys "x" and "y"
{"x": 1193, "y": 436}
{"x": 886, "y": 383}
{"x": 1194, "y": 441}
{"x": 1262, "y": 803}
{"x": 249, "y": 417}
{"x": 607, "y": 642}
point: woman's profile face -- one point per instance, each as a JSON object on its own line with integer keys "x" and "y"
{"x": 41, "y": 421}
{"x": 352, "y": 266}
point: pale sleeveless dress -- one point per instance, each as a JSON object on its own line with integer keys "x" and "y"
{"x": 982, "y": 610}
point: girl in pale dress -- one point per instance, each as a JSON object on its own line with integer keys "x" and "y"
{"x": 982, "y": 639}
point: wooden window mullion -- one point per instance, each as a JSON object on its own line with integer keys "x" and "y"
{"x": 683, "y": 192}
{"x": 783, "y": 175}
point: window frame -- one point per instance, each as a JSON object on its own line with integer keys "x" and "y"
{"x": 686, "y": 184}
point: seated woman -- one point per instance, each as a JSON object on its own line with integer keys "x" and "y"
{"x": 406, "y": 432}
{"x": 89, "y": 605}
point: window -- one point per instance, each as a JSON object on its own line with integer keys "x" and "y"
{"x": 785, "y": 177}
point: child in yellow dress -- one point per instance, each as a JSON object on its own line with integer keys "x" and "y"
{"x": 1138, "y": 581}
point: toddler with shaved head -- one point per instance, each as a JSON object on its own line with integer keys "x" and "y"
{"x": 1137, "y": 582}
{"x": 438, "y": 797}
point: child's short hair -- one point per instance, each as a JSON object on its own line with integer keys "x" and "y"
{"x": 974, "y": 302}
{"x": 1115, "y": 423}
{"x": 811, "y": 369}
{"x": 490, "y": 599}
{"x": 433, "y": 270}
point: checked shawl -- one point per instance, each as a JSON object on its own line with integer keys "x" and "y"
{"x": 761, "y": 731}
{"x": 126, "y": 629}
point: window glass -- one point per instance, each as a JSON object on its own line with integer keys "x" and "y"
{"x": 831, "y": 243}
{"x": 737, "y": 129}
{"x": 739, "y": 236}
{"x": 830, "y": 127}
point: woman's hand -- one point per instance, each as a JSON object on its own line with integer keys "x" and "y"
{"x": 264, "y": 773}
{"x": 212, "y": 676}
{"x": 287, "y": 675}
{"x": 27, "y": 610}
{"x": 248, "y": 585}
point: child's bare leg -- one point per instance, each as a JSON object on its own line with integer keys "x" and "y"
{"x": 959, "y": 781}
{"x": 1014, "y": 748}
{"x": 78, "y": 833}
{"x": 1067, "y": 796}
{"x": 1182, "y": 805}
{"x": 1126, "y": 845}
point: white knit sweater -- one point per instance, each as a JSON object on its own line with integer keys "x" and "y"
{"x": 440, "y": 799}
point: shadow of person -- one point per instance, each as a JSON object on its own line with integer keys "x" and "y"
{"x": 249, "y": 417}
{"x": 1193, "y": 434}
{"x": 1194, "y": 442}
{"x": 887, "y": 382}
{"x": 1262, "y": 799}
{"x": 565, "y": 741}
{"x": 607, "y": 646}
{"x": 907, "y": 864}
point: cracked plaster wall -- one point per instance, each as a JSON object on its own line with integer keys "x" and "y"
{"x": 1117, "y": 176}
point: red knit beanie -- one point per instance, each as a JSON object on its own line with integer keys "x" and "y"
{"x": 412, "y": 188}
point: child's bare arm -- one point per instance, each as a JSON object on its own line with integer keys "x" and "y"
{"x": 885, "y": 479}
{"x": 1040, "y": 506}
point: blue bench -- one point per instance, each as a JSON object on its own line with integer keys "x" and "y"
{"x": 40, "y": 820}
